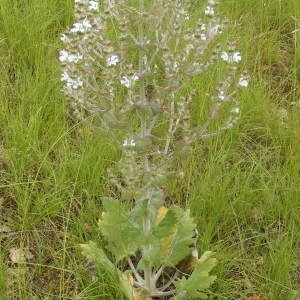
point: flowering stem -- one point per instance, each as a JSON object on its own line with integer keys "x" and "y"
{"x": 148, "y": 268}
{"x": 142, "y": 81}
{"x": 141, "y": 69}
{"x": 171, "y": 121}
{"x": 147, "y": 221}
{"x": 152, "y": 124}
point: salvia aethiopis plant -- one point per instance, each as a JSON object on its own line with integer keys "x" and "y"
{"x": 125, "y": 66}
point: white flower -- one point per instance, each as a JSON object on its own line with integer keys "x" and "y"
{"x": 125, "y": 81}
{"x": 93, "y": 5}
{"x": 184, "y": 13}
{"x": 134, "y": 77}
{"x": 82, "y": 2}
{"x": 189, "y": 48}
{"x": 221, "y": 95}
{"x": 129, "y": 143}
{"x": 203, "y": 27}
{"x": 64, "y": 38}
{"x": 86, "y": 23}
{"x": 176, "y": 66}
{"x": 217, "y": 29}
{"x": 203, "y": 37}
{"x": 64, "y": 76}
{"x": 65, "y": 56}
{"x": 231, "y": 58}
{"x": 73, "y": 83}
{"x": 209, "y": 11}
{"x": 113, "y": 60}
{"x": 128, "y": 82}
{"x": 81, "y": 26}
{"x": 243, "y": 82}
{"x": 235, "y": 110}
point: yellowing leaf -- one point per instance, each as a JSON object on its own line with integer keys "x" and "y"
{"x": 205, "y": 256}
{"x": 171, "y": 239}
{"x": 139, "y": 296}
{"x": 161, "y": 213}
{"x": 166, "y": 241}
{"x": 200, "y": 279}
{"x": 176, "y": 246}
{"x": 127, "y": 281}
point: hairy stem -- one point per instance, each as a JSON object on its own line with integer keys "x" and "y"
{"x": 171, "y": 122}
{"x": 158, "y": 273}
{"x": 147, "y": 225}
{"x": 134, "y": 271}
{"x": 164, "y": 287}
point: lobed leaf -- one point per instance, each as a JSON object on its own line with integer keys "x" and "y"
{"x": 93, "y": 252}
{"x": 178, "y": 245}
{"x": 199, "y": 280}
{"x": 171, "y": 238}
{"x": 122, "y": 232}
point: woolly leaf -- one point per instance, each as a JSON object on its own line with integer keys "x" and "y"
{"x": 199, "y": 281}
{"x": 126, "y": 283}
{"x": 91, "y": 251}
{"x": 166, "y": 226}
{"x": 178, "y": 245}
{"x": 122, "y": 232}
{"x": 151, "y": 254}
{"x": 138, "y": 214}
{"x": 171, "y": 239}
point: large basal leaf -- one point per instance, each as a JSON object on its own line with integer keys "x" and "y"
{"x": 171, "y": 238}
{"x": 166, "y": 226}
{"x": 179, "y": 244}
{"x": 160, "y": 242}
{"x": 199, "y": 281}
{"x": 91, "y": 251}
{"x": 126, "y": 283}
{"x": 124, "y": 280}
{"x": 122, "y": 232}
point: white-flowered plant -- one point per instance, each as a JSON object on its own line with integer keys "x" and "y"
{"x": 125, "y": 65}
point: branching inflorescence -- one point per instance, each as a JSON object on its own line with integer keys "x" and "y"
{"x": 124, "y": 67}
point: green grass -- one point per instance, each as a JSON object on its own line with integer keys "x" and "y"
{"x": 242, "y": 186}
